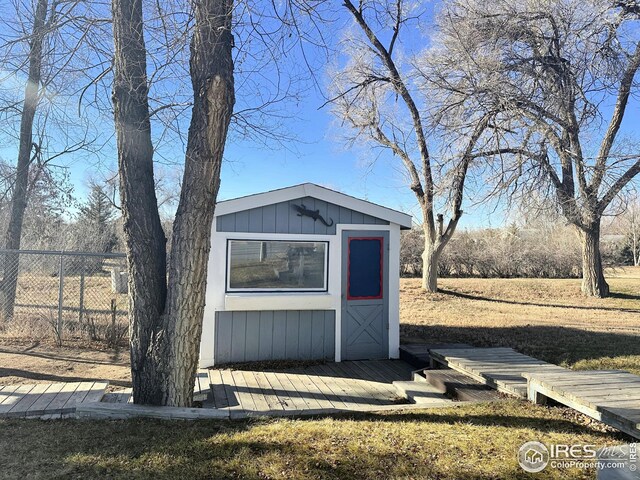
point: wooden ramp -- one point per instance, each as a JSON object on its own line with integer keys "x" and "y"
{"x": 611, "y": 396}
{"x": 47, "y": 399}
{"x": 500, "y": 368}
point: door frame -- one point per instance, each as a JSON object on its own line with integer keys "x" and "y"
{"x": 361, "y": 233}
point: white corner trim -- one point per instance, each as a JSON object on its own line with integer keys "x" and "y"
{"x": 278, "y": 301}
{"x": 311, "y": 190}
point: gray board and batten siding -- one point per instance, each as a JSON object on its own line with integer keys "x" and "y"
{"x": 274, "y": 335}
{"x": 283, "y": 218}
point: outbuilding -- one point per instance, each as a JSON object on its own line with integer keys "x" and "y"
{"x": 302, "y": 273}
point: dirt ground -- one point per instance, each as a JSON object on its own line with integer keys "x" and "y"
{"x": 34, "y": 362}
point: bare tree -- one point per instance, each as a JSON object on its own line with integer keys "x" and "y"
{"x": 550, "y": 67}
{"x": 166, "y": 309}
{"x": 634, "y": 233}
{"x": 629, "y": 226}
{"x": 377, "y": 94}
{"x": 19, "y": 198}
{"x": 166, "y": 315}
{"x": 42, "y": 49}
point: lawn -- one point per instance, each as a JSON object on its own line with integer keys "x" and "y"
{"x": 473, "y": 442}
{"x": 547, "y": 319}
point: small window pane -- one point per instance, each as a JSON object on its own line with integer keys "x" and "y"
{"x": 277, "y": 265}
{"x": 365, "y": 268}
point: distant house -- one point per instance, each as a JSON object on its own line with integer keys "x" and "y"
{"x": 304, "y": 272}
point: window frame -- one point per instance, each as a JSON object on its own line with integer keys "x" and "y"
{"x": 231, "y": 290}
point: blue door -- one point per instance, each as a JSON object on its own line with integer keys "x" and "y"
{"x": 365, "y": 307}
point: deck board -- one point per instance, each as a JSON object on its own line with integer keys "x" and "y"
{"x": 321, "y": 387}
{"x": 339, "y": 386}
{"x": 255, "y": 391}
{"x": 359, "y": 384}
{"x": 21, "y": 407}
{"x": 311, "y": 389}
{"x": 47, "y": 400}
{"x": 7, "y": 394}
{"x": 63, "y": 395}
{"x": 286, "y": 398}
{"x": 270, "y": 394}
{"x": 242, "y": 391}
{"x": 296, "y": 377}
{"x": 17, "y": 395}
{"x": 218, "y": 388}
{"x": 229, "y": 388}
{"x": 39, "y": 407}
{"x": 292, "y": 393}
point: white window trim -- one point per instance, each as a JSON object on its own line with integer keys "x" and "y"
{"x": 270, "y": 291}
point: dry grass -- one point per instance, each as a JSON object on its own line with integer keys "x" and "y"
{"x": 36, "y": 310}
{"x": 548, "y": 319}
{"x": 44, "y": 289}
{"x": 459, "y": 443}
{"x": 545, "y": 318}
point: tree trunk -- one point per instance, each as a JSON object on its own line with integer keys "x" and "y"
{"x": 430, "y": 258}
{"x": 211, "y": 69}
{"x": 19, "y": 197}
{"x": 166, "y": 318}
{"x": 593, "y": 281}
{"x": 635, "y": 247}
{"x": 144, "y": 237}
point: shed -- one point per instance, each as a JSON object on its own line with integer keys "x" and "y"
{"x": 302, "y": 273}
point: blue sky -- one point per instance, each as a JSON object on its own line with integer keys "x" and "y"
{"x": 318, "y": 156}
{"x": 321, "y": 156}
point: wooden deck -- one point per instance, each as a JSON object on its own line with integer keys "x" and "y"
{"x": 334, "y": 386}
{"x": 500, "y": 368}
{"x": 47, "y": 400}
{"x": 611, "y": 396}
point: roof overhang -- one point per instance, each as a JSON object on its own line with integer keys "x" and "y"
{"x": 312, "y": 190}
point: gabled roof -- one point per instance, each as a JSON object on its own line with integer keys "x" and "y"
{"x": 315, "y": 191}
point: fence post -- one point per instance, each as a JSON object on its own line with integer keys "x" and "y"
{"x": 60, "y": 293}
{"x": 81, "y": 309}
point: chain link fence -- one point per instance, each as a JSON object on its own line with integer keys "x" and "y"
{"x": 67, "y": 293}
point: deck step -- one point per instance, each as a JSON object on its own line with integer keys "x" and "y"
{"x": 459, "y": 386}
{"x": 500, "y": 368}
{"x": 419, "y": 392}
{"x": 417, "y": 354}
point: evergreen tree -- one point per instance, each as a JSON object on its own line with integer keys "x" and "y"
{"x": 95, "y": 225}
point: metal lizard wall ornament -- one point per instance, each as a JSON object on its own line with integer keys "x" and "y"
{"x": 315, "y": 214}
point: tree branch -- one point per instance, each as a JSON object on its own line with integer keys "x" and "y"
{"x": 401, "y": 89}
{"x": 616, "y": 119}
